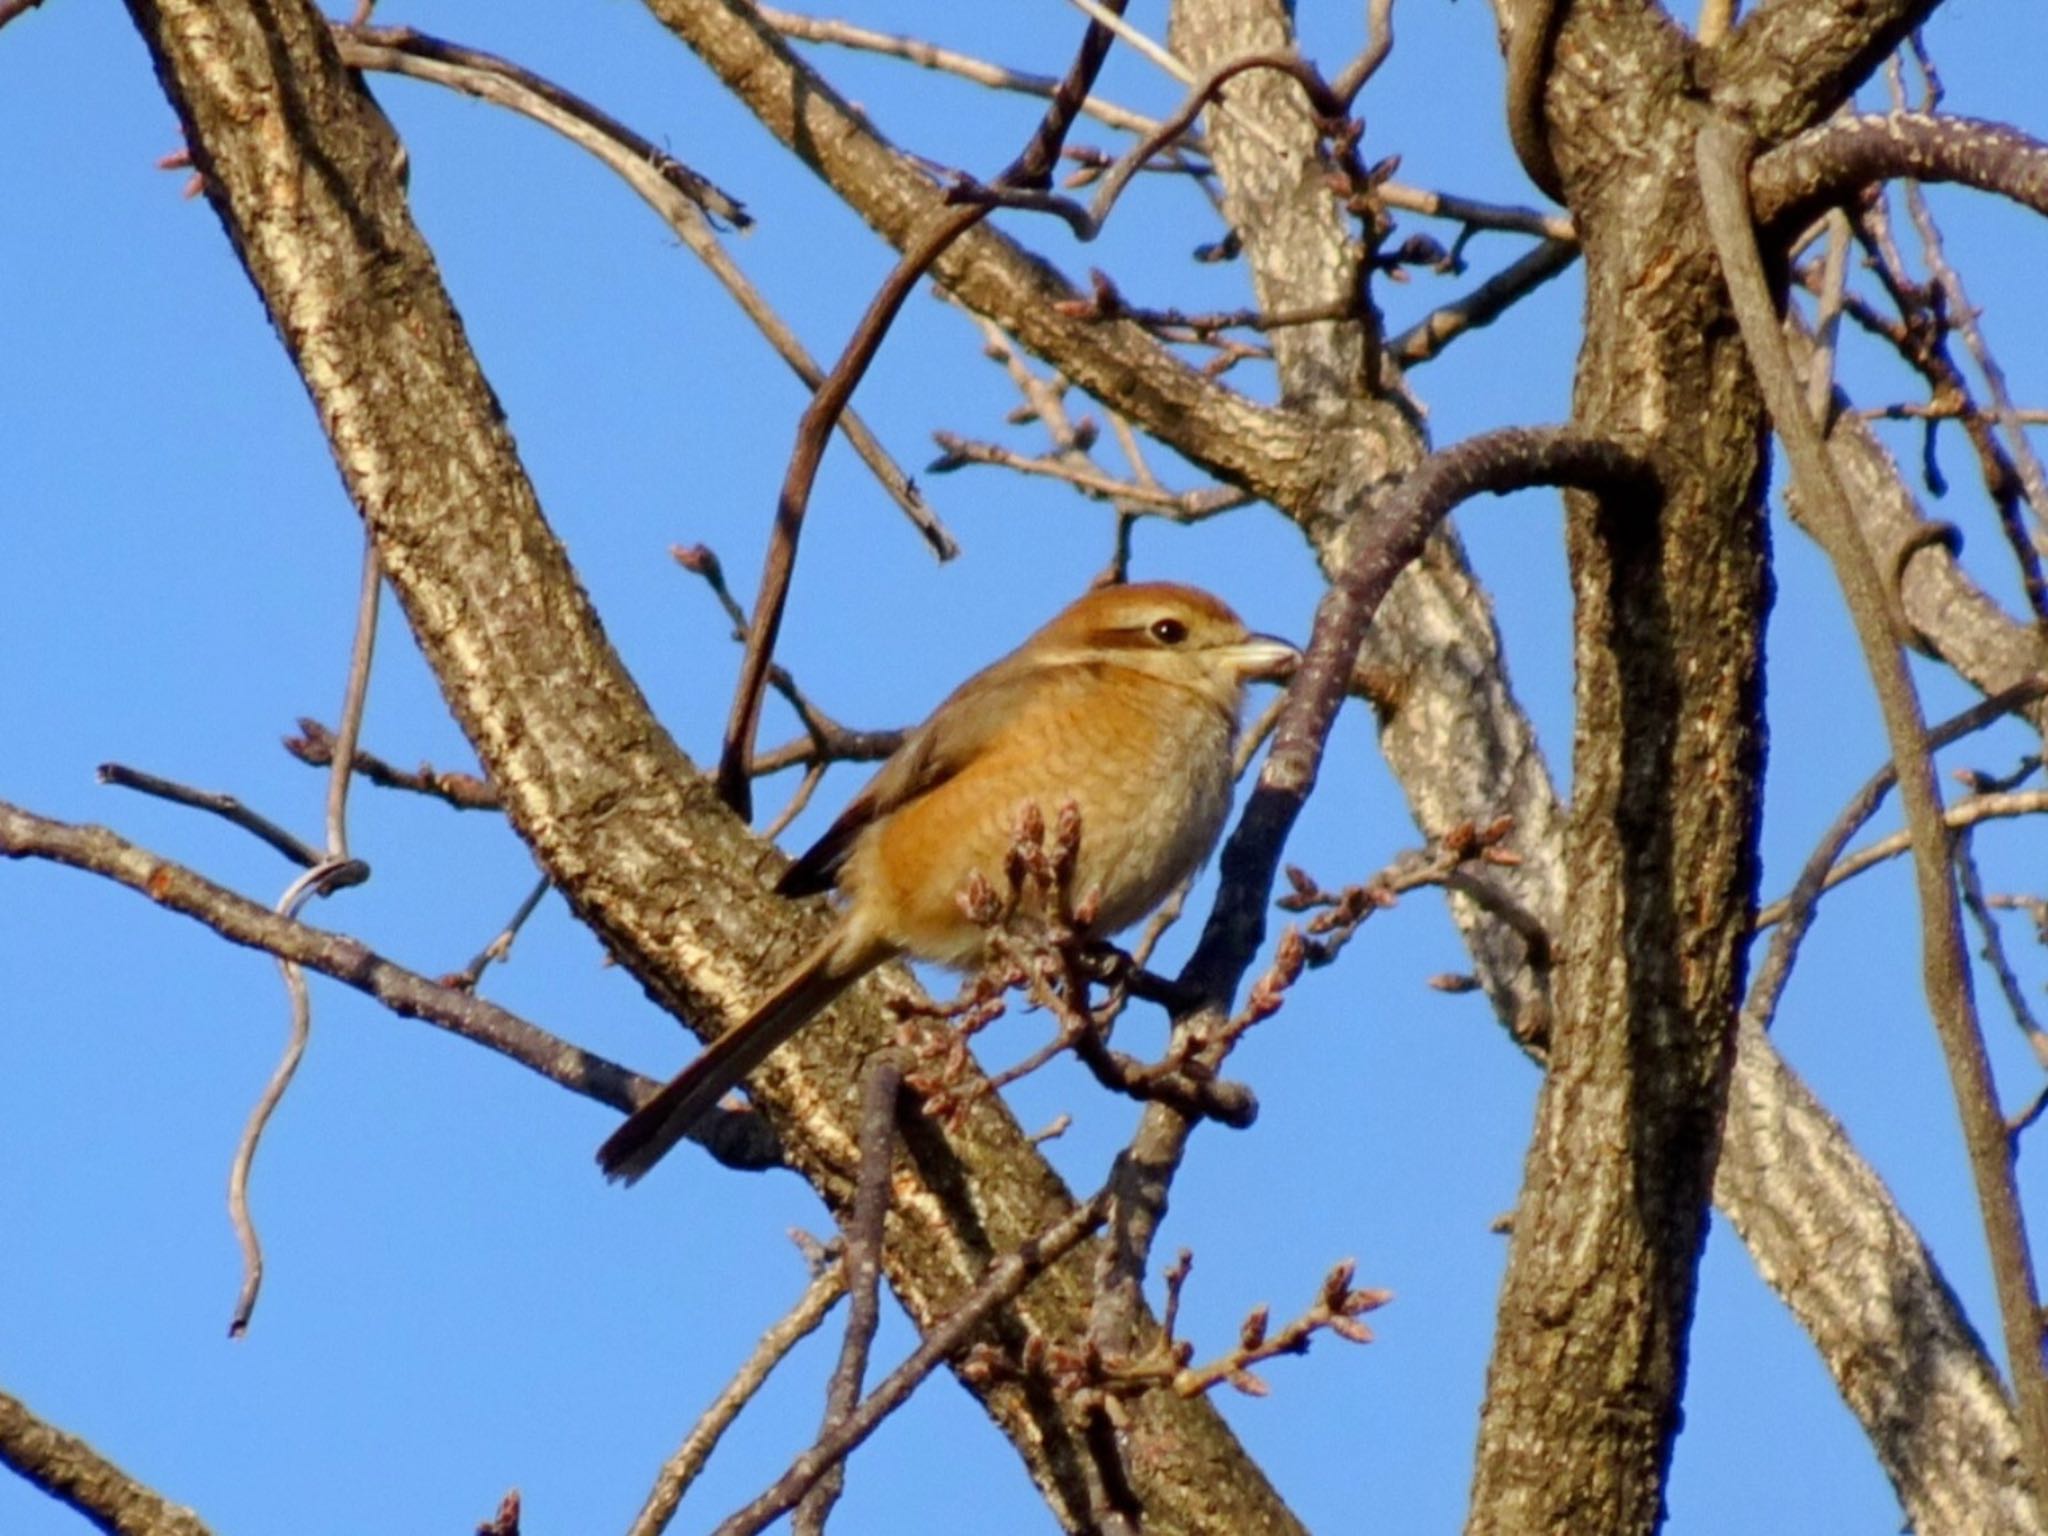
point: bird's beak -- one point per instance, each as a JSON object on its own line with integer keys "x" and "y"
{"x": 1262, "y": 658}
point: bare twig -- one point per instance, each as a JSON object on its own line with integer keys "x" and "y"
{"x": 310, "y": 884}
{"x": 314, "y": 746}
{"x": 354, "y": 695}
{"x": 1129, "y": 495}
{"x": 1944, "y": 410}
{"x": 1428, "y": 337}
{"x": 1086, "y": 223}
{"x": 863, "y": 1267}
{"x": 1964, "y": 813}
{"x": 845, "y": 34}
{"x": 227, "y": 807}
{"x": 680, "y": 1470}
{"x": 1337, "y": 1309}
{"x": 1827, "y": 322}
{"x": 406, "y": 51}
{"x": 824, "y": 740}
{"x": 501, "y": 946}
{"x": 1994, "y": 952}
{"x": 1476, "y": 214}
{"x": 1794, "y": 914}
{"x": 1005, "y": 1280}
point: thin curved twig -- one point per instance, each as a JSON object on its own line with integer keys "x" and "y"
{"x": 1964, "y": 813}
{"x": 297, "y": 894}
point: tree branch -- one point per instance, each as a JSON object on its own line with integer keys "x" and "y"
{"x": 1724, "y": 152}
{"x": 72, "y": 1472}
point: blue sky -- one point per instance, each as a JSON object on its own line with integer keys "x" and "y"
{"x": 456, "y": 1304}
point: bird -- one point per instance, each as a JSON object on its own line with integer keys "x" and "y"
{"x": 1124, "y": 705}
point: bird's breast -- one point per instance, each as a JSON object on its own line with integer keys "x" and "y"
{"x": 1146, "y": 764}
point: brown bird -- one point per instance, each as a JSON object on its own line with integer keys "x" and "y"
{"x": 1126, "y": 704}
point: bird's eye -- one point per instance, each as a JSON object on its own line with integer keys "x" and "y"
{"x": 1169, "y": 631}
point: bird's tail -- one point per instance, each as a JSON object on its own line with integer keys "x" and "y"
{"x": 667, "y": 1118}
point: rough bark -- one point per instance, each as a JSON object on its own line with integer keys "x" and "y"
{"x": 68, "y": 1469}
{"x": 1588, "y": 1367}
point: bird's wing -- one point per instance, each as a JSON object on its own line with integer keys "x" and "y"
{"x": 953, "y": 737}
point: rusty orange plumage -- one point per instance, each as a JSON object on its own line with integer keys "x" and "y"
{"x": 1125, "y": 704}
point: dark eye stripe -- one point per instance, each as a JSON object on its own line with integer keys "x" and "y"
{"x": 1130, "y": 637}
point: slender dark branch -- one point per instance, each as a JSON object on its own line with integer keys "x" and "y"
{"x": 737, "y": 1139}
{"x": 1086, "y": 223}
{"x": 314, "y": 746}
{"x": 1005, "y": 1280}
{"x": 735, "y": 785}
{"x": 227, "y": 807}
{"x": 827, "y": 1285}
{"x": 1795, "y": 913}
{"x": 1723, "y": 154}
{"x": 825, "y": 740}
{"x": 1994, "y": 954}
{"x": 1485, "y": 304}
{"x": 864, "y": 1225}
{"x": 501, "y": 946}
{"x": 72, "y": 1472}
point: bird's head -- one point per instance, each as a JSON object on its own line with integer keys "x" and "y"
{"x": 1178, "y": 634}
